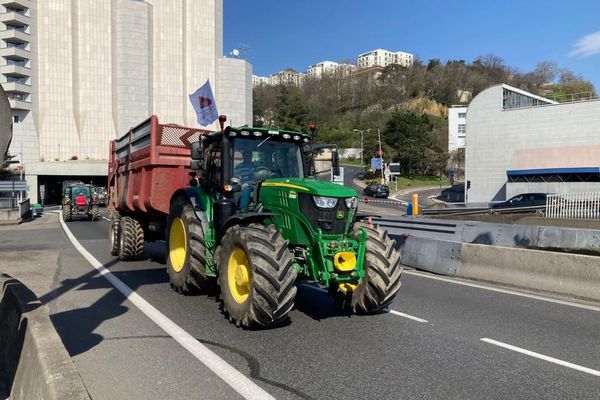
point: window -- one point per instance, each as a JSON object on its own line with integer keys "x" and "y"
{"x": 462, "y": 130}
{"x": 16, "y": 119}
{"x": 462, "y": 115}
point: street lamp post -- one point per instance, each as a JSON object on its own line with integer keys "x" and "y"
{"x": 362, "y": 144}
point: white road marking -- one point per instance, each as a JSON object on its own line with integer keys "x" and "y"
{"x": 103, "y": 217}
{"x": 542, "y": 357}
{"x": 234, "y": 378}
{"x": 398, "y": 313}
{"x": 505, "y": 291}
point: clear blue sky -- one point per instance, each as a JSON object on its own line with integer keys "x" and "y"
{"x": 297, "y": 33}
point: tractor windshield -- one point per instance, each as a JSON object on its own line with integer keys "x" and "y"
{"x": 267, "y": 158}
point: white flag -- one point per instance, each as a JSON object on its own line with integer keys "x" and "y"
{"x": 204, "y": 105}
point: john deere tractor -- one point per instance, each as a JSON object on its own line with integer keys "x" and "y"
{"x": 256, "y": 225}
{"x": 79, "y": 199}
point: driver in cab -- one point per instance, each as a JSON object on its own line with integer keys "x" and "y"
{"x": 245, "y": 171}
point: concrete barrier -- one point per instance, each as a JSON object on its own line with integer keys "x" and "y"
{"x": 567, "y": 274}
{"x": 34, "y": 361}
{"x": 439, "y": 256}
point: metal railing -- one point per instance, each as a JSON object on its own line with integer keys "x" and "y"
{"x": 573, "y": 205}
{"x": 9, "y": 203}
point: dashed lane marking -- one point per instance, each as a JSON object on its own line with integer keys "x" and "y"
{"x": 403, "y": 315}
{"x": 234, "y": 378}
{"x": 505, "y": 291}
{"x": 542, "y": 357}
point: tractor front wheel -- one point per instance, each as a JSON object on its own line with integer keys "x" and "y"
{"x": 381, "y": 282}
{"x": 131, "y": 239}
{"x": 186, "y": 260}
{"x": 256, "y": 275}
{"x": 66, "y": 212}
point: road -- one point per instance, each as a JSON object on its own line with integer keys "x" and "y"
{"x": 441, "y": 339}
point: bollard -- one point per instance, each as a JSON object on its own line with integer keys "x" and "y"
{"x": 409, "y": 208}
{"x": 415, "y": 201}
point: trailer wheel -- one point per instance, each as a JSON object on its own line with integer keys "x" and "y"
{"x": 113, "y": 235}
{"x": 186, "y": 260}
{"x": 381, "y": 283}
{"x": 95, "y": 215}
{"x": 66, "y": 212}
{"x": 256, "y": 275}
{"x": 131, "y": 239}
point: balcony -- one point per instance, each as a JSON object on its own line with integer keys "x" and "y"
{"x": 15, "y": 53}
{"x": 19, "y": 105}
{"x": 15, "y": 35}
{"x": 16, "y": 3}
{"x": 15, "y": 70}
{"x": 15, "y": 18}
{"x": 16, "y": 87}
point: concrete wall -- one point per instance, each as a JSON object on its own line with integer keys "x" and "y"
{"x": 235, "y": 81}
{"x": 557, "y": 135}
{"x": 35, "y": 363}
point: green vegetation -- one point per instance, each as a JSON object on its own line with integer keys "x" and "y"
{"x": 409, "y": 106}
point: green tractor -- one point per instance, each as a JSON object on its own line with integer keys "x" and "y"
{"x": 79, "y": 199}
{"x": 255, "y": 225}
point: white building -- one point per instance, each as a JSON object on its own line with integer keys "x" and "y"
{"x": 384, "y": 58}
{"x": 457, "y": 127}
{"x": 324, "y": 67}
{"x": 519, "y": 142}
{"x": 260, "y": 80}
{"x": 288, "y": 77}
{"x": 81, "y": 72}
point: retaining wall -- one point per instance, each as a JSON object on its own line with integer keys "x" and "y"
{"x": 34, "y": 363}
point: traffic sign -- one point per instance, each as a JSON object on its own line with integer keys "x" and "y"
{"x": 376, "y": 163}
{"x": 339, "y": 179}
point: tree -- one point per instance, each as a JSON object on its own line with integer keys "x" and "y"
{"x": 407, "y": 136}
{"x": 291, "y": 111}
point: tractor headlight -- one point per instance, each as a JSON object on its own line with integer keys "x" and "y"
{"x": 352, "y": 203}
{"x": 325, "y": 202}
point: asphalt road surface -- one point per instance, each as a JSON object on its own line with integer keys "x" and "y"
{"x": 441, "y": 339}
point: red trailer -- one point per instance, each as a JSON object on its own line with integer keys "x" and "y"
{"x": 146, "y": 166}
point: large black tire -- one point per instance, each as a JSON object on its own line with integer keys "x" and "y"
{"x": 131, "y": 239}
{"x": 382, "y": 274}
{"x": 66, "y": 212}
{"x": 271, "y": 276}
{"x": 188, "y": 274}
{"x": 95, "y": 214}
{"x": 113, "y": 234}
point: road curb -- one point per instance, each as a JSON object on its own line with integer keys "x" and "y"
{"x": 35, "y": 363}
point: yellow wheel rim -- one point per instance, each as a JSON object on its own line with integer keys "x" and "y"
{"x": 238, "y": 275}
{"x": 177, "y": 244}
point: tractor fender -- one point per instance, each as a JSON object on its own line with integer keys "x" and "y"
{"x": 244, "y": 218}
{"x": 191, "y": 196}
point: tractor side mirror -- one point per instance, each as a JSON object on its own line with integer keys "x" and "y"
{"x": 197, "y": 156}
{"x": 335, "y": 162}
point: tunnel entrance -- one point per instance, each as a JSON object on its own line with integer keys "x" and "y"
{"x": 50, "y": 186}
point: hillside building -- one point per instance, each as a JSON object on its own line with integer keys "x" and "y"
{"x": 384, "y": 58}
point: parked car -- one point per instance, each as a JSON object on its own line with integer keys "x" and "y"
{"x": 361, "y": 175}
{"x": 377, "y": 190}
{"x": 522, "y": 200}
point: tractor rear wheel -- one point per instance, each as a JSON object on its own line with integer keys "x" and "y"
{"x": 381, "y": 282}
{"x": 131, "y": 239}
{"x": 186, "y": 260}
{"x": 113, "y": 234}
{"x": 66, "y": 212}
{"x": 256, "y": 275}
{"x": 95, "y": 214}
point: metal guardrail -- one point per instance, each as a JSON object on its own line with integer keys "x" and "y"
{"x": 573, "y": 205}
{"x": 10, "y": 203}
{"x": 482, "y": 210}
